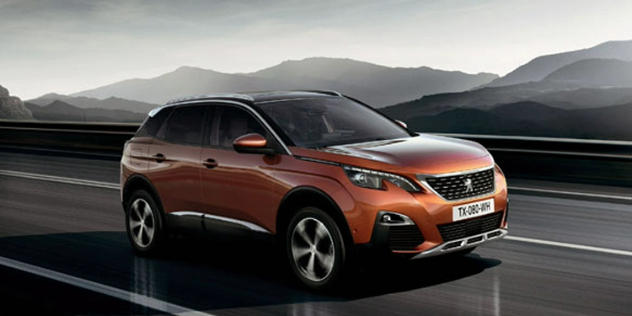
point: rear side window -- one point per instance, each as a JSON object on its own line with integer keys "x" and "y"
{"x": 152, "y": 124}
{"x": 184, "y": 126}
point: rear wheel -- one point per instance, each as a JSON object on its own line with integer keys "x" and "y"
{"x": 315, "y": 248}
{"x": 145, "y": 228}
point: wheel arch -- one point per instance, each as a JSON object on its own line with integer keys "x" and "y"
{"x": 138, "y": 182}
{"x": 305, "y": 196}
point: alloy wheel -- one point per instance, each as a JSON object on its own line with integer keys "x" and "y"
{"x": 313, "y": 249}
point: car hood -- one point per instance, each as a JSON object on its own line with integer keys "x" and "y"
{"x": 424, "y": 153}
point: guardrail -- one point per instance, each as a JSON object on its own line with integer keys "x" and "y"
{"x": 589, "y": 161}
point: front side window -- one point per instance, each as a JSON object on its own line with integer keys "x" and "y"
{"x": 185, "y": 125}
{"x": 322, "y": 122}
{"x": 235, "y": 122}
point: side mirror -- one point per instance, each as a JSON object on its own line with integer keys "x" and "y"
{"x": 404, "y": 125}
{"x": 252, "y": 144}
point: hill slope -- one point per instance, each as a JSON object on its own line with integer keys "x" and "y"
{"x": 12, "y": 108}
{"x": 524, "y": 119}
{"x": 374, "y": 84}
{"x": 111, "y": 103}
{"x": 538, "y": 68}
{"x": 594, "y": 73}
{"x": 62, "y": 111}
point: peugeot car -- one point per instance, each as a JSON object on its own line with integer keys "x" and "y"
{"x": 326, "y": 174}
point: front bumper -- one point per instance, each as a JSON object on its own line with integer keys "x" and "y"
{"x": 462, "y": 244}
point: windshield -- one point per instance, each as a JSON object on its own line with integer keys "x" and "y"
{"x": 322, "y": 122}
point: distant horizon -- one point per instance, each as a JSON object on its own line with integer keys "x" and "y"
{"x": 67, "y": 46}
{"x": 266, "y": 67}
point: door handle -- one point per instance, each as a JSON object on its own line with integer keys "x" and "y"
{"x": 210, "y": 163}
{"x": 159, "y": 158}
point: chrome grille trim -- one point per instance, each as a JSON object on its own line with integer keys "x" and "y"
{"x": 423, "y": 179}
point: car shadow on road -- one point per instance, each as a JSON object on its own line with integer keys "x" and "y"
{"x": 221, "y": 272}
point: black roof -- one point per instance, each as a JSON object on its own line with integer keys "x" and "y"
{"x": 260, "y": 96}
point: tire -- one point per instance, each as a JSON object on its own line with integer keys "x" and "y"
{"x": 315, "y": 248}
{"x": 145, "y": 228}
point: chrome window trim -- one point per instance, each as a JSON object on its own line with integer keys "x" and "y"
{"x": 246, "y": 224}
{"x": 422, "y": 179}
{"x": 249, "y": 109}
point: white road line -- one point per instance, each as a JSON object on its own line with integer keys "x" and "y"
{"x": 571, "y": 246}
{"x": 35, "y": 176}
{"x": 135, "y": 298}
{"x": 608, "y": 196}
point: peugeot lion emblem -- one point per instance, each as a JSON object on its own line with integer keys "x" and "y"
{"x": 468, "y": 185}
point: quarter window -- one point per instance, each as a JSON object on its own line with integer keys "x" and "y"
{"x": 152, "y": 124}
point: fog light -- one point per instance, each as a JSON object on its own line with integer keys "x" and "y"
{"x": 395, "y": 219}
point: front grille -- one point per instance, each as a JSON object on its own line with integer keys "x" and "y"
{"x": 456, "y": 188}
{"x": 404, "y": 237}
{"x": 475, "y": 226}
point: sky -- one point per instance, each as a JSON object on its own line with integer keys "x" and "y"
{"x": 67, "y": 46}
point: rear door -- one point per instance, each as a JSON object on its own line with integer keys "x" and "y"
{"x": 174, "y": 167}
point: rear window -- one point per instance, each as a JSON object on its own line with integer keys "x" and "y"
{"x": 152, "y": 124}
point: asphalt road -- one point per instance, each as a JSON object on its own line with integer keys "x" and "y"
{"x": 75, "y": 231}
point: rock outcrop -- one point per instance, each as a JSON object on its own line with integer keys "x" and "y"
{"x": 12, "y": 108}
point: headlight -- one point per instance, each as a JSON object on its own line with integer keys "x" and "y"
{"x": 373, "y": 179}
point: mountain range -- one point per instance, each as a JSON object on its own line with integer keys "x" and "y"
{"x": 62, "y": 111}
{"x": 377, "y": 85}
{"x": 585, "y": 93}
{"x": 12, "y": 107}
{"x": 532, "y": 119}
{"x": 538, "y": 68}
{"x": 110, "y": 103}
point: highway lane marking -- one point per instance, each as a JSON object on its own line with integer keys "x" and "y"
{"x": 116, "y": 186}
{"x": 35, "y": 176}
{"x": 616, "y": 197}
{"x": 571, "y": 246}
{"x": 134, "y": 298}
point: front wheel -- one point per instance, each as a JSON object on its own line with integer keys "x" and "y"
{"x": 315, "y": 248}
{"x": 145, "y": 228}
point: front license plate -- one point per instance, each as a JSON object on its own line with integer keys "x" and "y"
{"x": 471, "y": 210}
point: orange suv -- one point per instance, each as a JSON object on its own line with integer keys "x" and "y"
{"x": 325, "y": 173}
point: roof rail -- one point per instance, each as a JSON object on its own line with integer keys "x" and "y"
{"x": 244, "y": 97}
{"x": 328, "y": 92}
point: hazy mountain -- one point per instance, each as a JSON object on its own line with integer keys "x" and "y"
{"x": 111, "y": 103}
{"x": 612, "y": 122}
{"x": 62, "y": 111}
{"x": 184, "y": 81}
{"x": 377, "y": 85}
{"x": 526, "y": 111}
{"x": 374, "y": 84}
{"x": 585, "y": 97}
{"x": 12, "y": 108}
{"x": 567, "y": 97}
{"x": 594, "y": 73}
{"x": 538, "y": 68}
{"x": 474, "y": 121}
